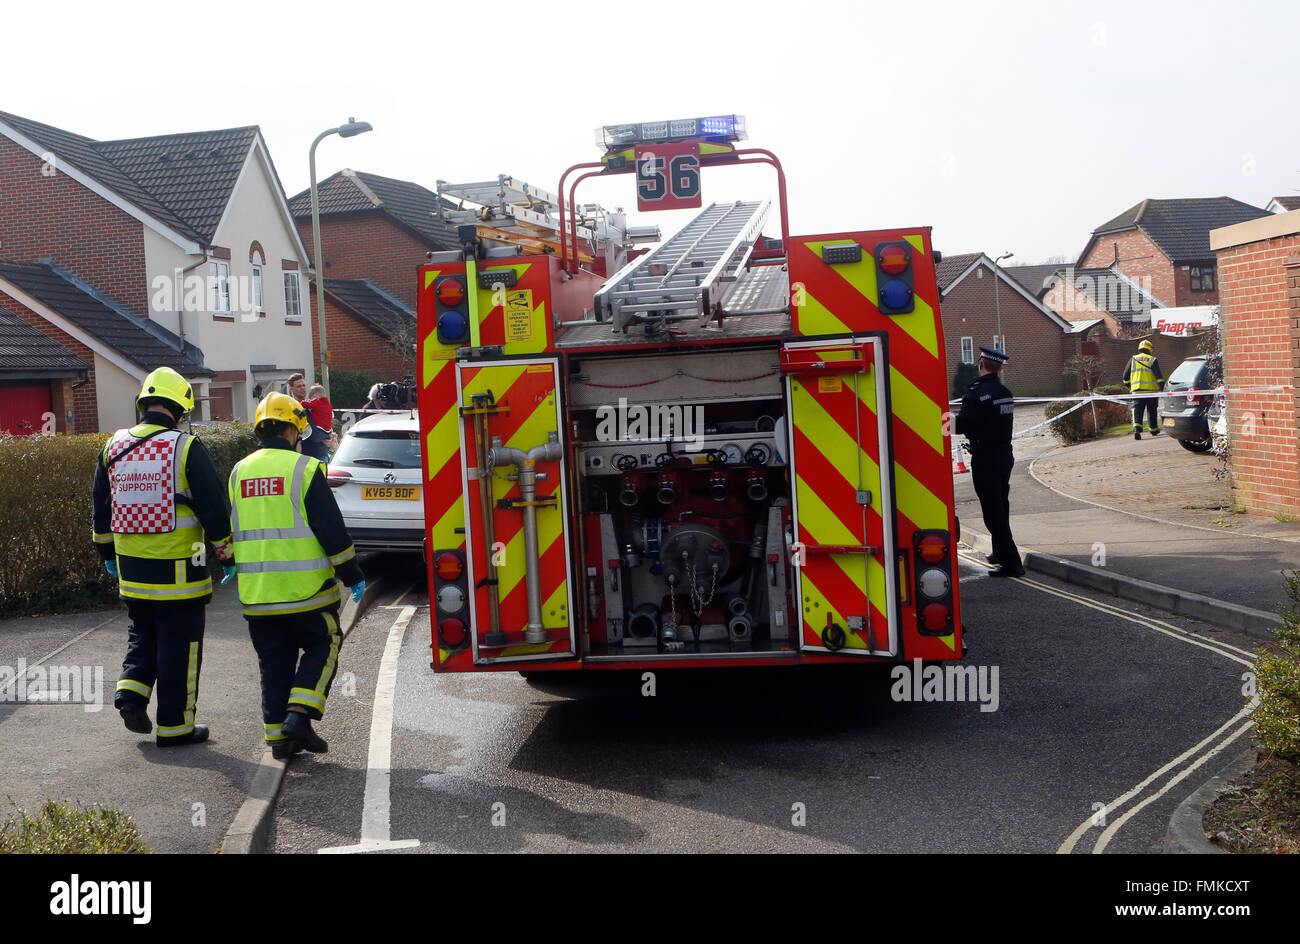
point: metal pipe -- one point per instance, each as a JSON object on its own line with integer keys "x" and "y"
{"x": 526, "y": 463}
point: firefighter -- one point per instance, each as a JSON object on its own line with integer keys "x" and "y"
{"x": 289, "y": 543}
{"x": 1143, "y": 375}
{"x": 157, "y": 497}
{"x": 986, "y": 417}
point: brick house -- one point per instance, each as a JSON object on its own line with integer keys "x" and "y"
{"x": 374, "y": 228}
{"x": 1259, "y": 266}
{"x": 175, "y": 249}
{"x": 1163, "y": 245}
{"x": 369, "y": 330}
{"x": 38, "y": 379}
{"x": 118, "y": 346}
{"x": 1087, "y": 297}
{"x": 976, "y": 296}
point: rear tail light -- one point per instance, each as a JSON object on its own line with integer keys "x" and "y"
{"x": 935, "y": 617}
{"x": 933, "y": 582}
{"x": 448, "y": 566}
{"x": 451, "y": 633}
{"x": 450, "y": 592}
{"x": 337, "y": 477}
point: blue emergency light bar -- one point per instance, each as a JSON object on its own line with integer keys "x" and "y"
{"x": 725, "y": 127}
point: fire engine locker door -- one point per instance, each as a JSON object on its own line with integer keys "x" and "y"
{"x": 843, "y": 509}
{"x": 523, "y": 413}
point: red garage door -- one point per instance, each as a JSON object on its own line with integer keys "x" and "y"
{"x": 24, "y": 407}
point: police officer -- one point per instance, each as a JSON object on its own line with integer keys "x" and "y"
{"x": 987, "y": 413}
{"x": 290, "y": 542}
{"x": 157, "y": 497}
{"x": 1142, "y": 373}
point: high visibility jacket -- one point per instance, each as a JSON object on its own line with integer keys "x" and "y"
{"x": 155, "y": 534}
{"x": 281, "y": 564}
{"x": 1143, "y": 373}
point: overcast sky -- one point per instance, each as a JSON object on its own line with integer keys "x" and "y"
{"x": 1004, "y": 126}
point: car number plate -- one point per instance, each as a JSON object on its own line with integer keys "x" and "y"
{"x": 391, "y": 492}
{"x": 1169, "y": 421}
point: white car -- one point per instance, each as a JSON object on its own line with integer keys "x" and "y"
{"x": 376, "y": 480}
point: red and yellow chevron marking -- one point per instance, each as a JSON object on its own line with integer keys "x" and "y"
{"x": 516, "y": 318}
{"x": 444, "y": 509}
{"x": 838, "y": 300}
{"x": 830, "y": 467}
{"x": 528, "y": 392}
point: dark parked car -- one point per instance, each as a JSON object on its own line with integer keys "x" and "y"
{"x": 1185, "y": 416}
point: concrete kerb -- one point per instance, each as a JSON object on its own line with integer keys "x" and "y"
{"x": 250, "y": 831}
{"x": 1252, "y": 622}
{"x": 1186, "y": 833}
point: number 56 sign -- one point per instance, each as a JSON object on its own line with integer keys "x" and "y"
{"x": 668, "y": 176}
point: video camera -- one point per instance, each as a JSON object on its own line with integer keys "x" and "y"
{"x": 397, "y": 395}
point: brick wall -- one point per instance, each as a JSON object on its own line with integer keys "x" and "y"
{"x": 1033, "y": 339}
{"x": 1260, "y": 323}
{"x": 1170, "y": 352}
{"x": 369, "y": 246}
{"x": 82, "y": 400}
{"x": 354, "y": 343}
{"x": 55, "y": 217}
{"x": 1139, "y": 258}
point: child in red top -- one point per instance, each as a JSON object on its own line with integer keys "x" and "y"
{"x": 320, "y": 408}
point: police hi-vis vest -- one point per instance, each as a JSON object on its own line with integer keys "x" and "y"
{"x": 1141, "y": 375}
{"x": 280, "y": 563}
{"x": 156, "y": 538}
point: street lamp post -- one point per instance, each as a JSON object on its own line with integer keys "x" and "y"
{"x": 353, "y": 127}
{"x": 997, "y": 300}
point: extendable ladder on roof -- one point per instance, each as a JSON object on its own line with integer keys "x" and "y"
{"x": 686, "y": 276}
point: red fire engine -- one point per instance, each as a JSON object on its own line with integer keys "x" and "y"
{"x": 728, "y": 451}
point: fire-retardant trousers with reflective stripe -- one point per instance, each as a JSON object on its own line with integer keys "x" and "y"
{"x": 164, "y": 645}
{"x": 287, "y": 680}
{"x": 1149, "y": 405}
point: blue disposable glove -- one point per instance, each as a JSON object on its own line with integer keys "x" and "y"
{"x": 357, "y": 591}
{"x": 111, "y": 567}
{"x": 229, "y": 570}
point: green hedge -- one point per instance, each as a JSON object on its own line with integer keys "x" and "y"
{"x": 1277, "y": 671}
{"x": 48, "y": 562}
{"x": 1079, "y": 425}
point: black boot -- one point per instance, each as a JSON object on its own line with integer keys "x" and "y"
{"x": 297, "y": 728}
{"x": 283, "y": 750}
{"x": 136, "y": 719}
{"x": 197, "y": 736}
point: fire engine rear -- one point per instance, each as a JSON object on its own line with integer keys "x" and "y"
{"x": 729, "y": 450}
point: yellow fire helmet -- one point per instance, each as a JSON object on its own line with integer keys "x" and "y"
{"x": 1146, "y": 346}
{"x": 166, "y": 383}
{"x": 281, "y": 406}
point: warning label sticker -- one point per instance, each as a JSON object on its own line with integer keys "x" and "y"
{"x": 828, "y": 385}
{"x": 519, "y": 315}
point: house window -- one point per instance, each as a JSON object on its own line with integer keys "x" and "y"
{"x": 292, "y": 297}
{"x": 968, "y": 350}
{"x": 220, "y": 287}
{"x": 1000, "y": 343}
{"x": 1202, "y": 278}
{"x": 259, "y": 303}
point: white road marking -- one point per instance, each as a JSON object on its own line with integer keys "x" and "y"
{"x": 376, "y": 827}
{"x": 1195, "y": 756}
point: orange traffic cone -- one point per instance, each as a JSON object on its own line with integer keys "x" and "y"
{"x": 961, "y": 461}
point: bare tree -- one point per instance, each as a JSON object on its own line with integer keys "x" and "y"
{"x": 1087, "y": 367}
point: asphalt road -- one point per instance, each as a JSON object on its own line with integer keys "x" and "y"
{"x": 1091, "y": 704}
